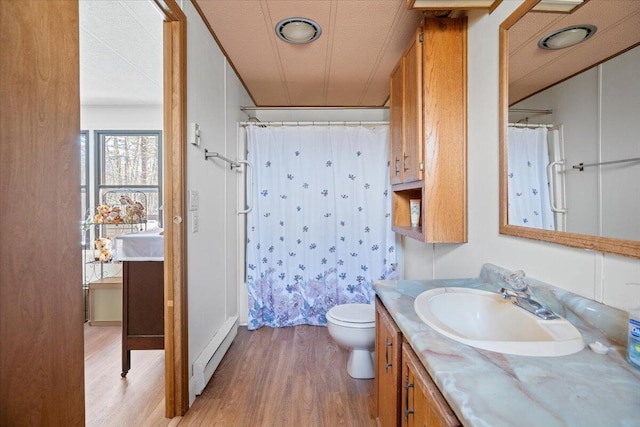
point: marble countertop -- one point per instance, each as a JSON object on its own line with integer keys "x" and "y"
{"x": 485, "y": 388}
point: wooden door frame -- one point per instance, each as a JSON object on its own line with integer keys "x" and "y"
{"x": 174, "y": 180}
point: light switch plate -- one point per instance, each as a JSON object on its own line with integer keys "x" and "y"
{"x": 194, "y": 134}
{"x": 195, "y": 222}
{"x": 194, "y": 200}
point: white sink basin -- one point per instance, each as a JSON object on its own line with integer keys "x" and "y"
{"x": 485, "y": 320}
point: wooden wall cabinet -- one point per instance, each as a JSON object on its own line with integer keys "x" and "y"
{"x": 428, "y": 132}
{"x": 405, "y": 100}
{"x": 405, "y": 393}
{"x": 388, "y": 368}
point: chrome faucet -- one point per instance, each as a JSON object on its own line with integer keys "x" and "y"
{"x": 522, "y": 296}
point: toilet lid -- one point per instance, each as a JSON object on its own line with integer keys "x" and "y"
{"x": 354, "y": 313}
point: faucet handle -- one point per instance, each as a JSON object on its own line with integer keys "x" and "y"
{"x": 516, "y": 279}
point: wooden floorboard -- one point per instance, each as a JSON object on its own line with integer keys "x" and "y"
{"x": 272, "y": 377}
{"x": 283, "y": 377}
{"x": 110, "y": 400}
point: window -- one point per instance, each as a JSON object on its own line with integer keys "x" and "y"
{"x": 129, "y": 163}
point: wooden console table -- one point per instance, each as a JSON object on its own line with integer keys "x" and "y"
{"x": 142, "y": 308}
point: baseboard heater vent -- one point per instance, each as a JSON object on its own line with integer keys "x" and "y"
{"x": 206, "y": 364}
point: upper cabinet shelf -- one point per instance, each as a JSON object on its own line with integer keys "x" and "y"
{"x": 428, "y": 122}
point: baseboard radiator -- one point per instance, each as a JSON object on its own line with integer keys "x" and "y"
{"x": 206, "y": 364}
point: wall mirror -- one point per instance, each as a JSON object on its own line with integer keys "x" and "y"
{"x": 570, "y": 126}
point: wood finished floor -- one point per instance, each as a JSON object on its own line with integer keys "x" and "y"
{"x": 113, "y": 401}
{"x": 283, "y": 377}
{"x": 269, "y": 378}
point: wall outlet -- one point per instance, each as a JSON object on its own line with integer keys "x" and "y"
{"x": 194, "y": 222}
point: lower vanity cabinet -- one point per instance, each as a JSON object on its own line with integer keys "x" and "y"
{"x": 387, "y": 380}
{"x": 422, "y": 403}
{"x": 405, "y": 394}
{"x": 142, "y": 308}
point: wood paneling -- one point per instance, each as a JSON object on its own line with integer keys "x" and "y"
{"x": 41, "y": 298}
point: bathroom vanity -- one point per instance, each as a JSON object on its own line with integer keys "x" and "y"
{"x": 142, "y": 256}
{"x": 142, "y": 308}
{"x": 456, "y": 384}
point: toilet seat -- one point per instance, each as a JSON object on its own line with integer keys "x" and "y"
{"x": 353, "y": 315}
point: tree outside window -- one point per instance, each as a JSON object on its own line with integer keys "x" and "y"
{"x": 129, "y": 165}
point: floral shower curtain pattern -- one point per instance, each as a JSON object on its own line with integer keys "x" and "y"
{"x": 528, "y": 185}
{"x": 320, "y": 230}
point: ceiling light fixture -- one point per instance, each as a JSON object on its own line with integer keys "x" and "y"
{"x": 298, "y": 30}
{"x": 566, "y": 37}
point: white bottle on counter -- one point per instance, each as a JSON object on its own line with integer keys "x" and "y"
{"x": 633, "y": 343}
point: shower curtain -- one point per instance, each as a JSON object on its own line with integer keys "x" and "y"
{"x": 528, "y": 185}
{"x": 320, "y": 230}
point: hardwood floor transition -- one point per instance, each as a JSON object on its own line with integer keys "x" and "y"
{"x": 276, "y": 377}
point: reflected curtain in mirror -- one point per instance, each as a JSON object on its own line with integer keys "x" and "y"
{"x": 529, "y": 198}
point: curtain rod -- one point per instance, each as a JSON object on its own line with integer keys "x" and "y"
{"x": 247, "y": 108}
{"x": 342, "y": 123}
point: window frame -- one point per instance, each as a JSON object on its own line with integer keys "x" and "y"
{"x": 99, "y": 157}
{"x": 86, "y": 187}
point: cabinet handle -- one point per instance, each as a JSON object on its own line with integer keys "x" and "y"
{"x": 407, "y": 411}
{"x": 387, "y": 365}
{"x": 397, "y": 168}
{"x": 405, "y": 162}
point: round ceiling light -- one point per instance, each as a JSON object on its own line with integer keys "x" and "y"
{"x": 566, "y": 37}
{"x": 298, "y": 30}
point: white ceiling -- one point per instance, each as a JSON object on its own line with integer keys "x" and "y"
{"x": 120, "y": 53}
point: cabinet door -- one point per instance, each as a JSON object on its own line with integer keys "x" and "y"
{"x": 422, "y": 402}
{"x": 396, "y": 123}
{"x": 412, "y": 160}
{"x": 387, "y": 380}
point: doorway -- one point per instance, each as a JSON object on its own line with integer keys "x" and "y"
{"x": 170, "y": 40}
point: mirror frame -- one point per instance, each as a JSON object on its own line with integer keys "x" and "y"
{"x": 628, "y": 248}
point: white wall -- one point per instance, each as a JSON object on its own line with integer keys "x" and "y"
{"x": 606, "y": 278}
{"x": 620, "y": 139}
{"x": 214, "y": 96}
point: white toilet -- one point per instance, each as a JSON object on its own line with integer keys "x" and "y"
{"x": 354, "y": 326}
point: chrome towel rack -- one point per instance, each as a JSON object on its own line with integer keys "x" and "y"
{"x": 208, "y": 155}
{"x": 233, "y": 164}
{"x": 581, "y": 166}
